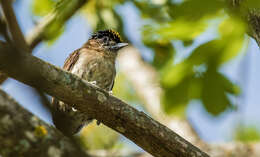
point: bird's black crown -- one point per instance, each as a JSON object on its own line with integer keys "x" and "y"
{"x": 109, "y": 33}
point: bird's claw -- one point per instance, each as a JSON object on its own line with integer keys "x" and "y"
{"x": 93, "y": 83}
{"x": 110, "y": 92}
{"x": 74, "y": 110}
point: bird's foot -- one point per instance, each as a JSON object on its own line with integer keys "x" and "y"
{"x": 110, "y": 92}
{"x": 94, "y": 83}
{"x": 74, "y": 110}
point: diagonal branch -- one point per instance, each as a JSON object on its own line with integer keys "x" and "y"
{"x": 149, "y": 134}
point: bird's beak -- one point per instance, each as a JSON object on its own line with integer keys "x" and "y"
{"x": 119, "y": 46}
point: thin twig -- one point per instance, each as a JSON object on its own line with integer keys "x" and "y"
{"x": 14, "y": 29}
{"x": 13, "y": 26}
{"x": 61, "y": 14}
{"x": 36, "y": 35}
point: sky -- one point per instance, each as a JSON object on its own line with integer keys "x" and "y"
{"x": 242, "y": 70}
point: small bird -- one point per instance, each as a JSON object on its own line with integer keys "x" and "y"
{"x": 95, "y": 63}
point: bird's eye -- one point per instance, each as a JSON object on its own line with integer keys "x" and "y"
{"x": 105, "y": 39}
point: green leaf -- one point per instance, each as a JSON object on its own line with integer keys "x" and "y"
{"x": 217, "y": 51}
{"x": 247, "y": 134}
{"x": 173, "y": 74}
{"x": 195, "y": 9}
{"x": 42, "y": 7}
{"x": 211, "y": 87}
{"x": 179, "y": 29}
{"x": 61, "y": 9}
{"x": 228, "y": 86}
{"x": 150, "y": 10}
{"x": 163, "y": 52}
{"x": 175, "y": 99}
{"x": 184, "y": 81}
{"x": 187, "y": 43}
{"x": 232, "y": 31}
{"x": 54, "y": 31}
{"x": 123, "y": 89}
{"x": 251, "y": 4}
{"x": 102, "y": 15}
{"x": 98, "y": 137}
{"x": 214, "y": 92}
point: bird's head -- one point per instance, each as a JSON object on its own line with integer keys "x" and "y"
{"x": 109, "y": 40}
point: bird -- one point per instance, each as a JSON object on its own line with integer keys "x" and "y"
{"x": 95, "y": 63}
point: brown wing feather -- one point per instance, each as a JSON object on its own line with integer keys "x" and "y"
{"x": 71, "y": 60}
{"x": 60, "y": 117}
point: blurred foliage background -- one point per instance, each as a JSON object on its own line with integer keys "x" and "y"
{"x": 166, "y": 24}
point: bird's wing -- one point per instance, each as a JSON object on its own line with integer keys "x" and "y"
{"x": 71, "y": 60}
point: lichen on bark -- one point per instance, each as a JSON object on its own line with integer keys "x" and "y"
{"x": 23, "y": 134}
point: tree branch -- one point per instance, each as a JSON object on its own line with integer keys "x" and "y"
{"x": 250, "y": 15}
{"x": 17, "y": 35}
{"x": 28, "y": 135}
{"x": 254, "y": 23}
{"x": 149, "y": 134}
{"x": 61, "y": 13}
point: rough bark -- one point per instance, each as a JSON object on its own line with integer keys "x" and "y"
{"x": 149, "y": 134}
{"x": 254, "y": 21}
{"x": 23, "y": 134}
{"x": 250, "y": 15}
